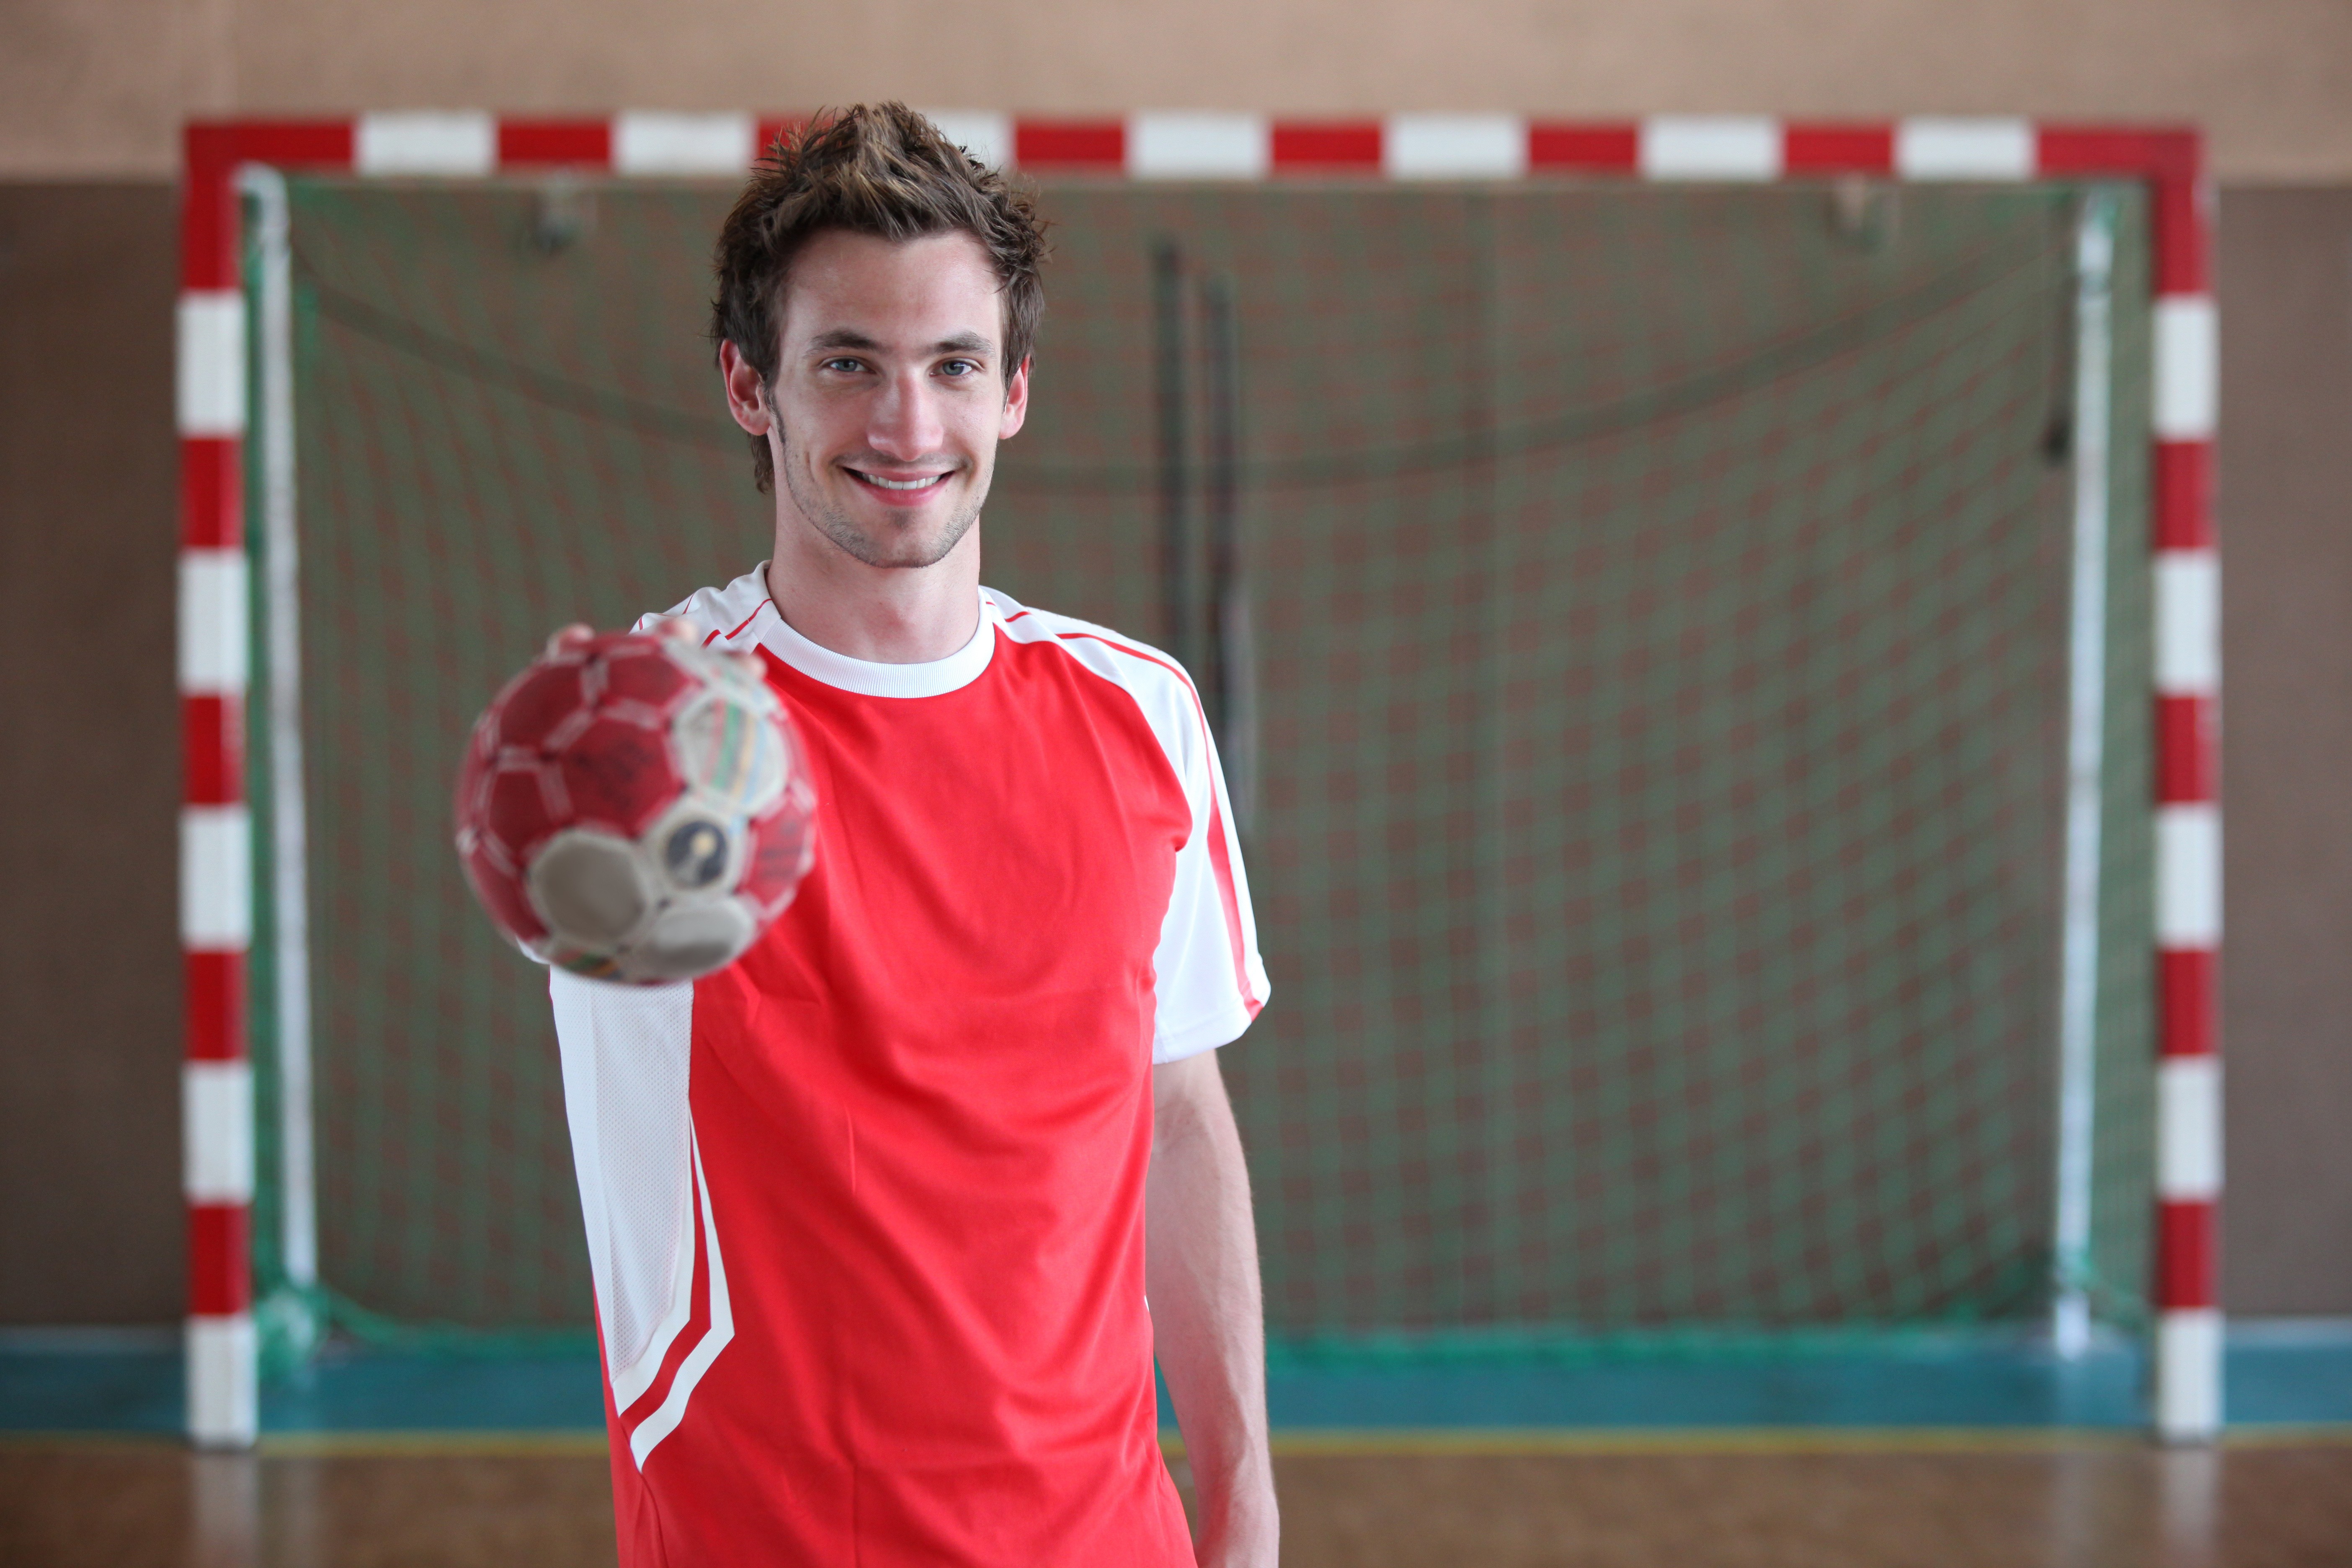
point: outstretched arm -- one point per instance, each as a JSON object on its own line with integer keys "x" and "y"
{"x": 1208, "y": 1321}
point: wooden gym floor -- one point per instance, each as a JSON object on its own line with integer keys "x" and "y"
{"x": 1755, "y": 1501}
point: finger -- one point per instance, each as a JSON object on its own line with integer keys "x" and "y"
{"x": 680, "y": 630}
{"x": 576, "y": 632}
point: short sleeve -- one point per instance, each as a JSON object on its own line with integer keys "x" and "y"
{"x": 1211, "y": 980}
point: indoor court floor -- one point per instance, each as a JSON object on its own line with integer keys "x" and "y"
{"x": 1756, "y": 1500}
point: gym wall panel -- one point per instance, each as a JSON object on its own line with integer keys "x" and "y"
{"x": 91, "y": 1218}
{"x": 2286, "y": 518}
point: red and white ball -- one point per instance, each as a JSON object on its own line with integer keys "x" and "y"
{"x": 635, "y": 808}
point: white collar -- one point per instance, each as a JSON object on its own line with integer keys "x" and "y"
{"x": 868, "y": 678}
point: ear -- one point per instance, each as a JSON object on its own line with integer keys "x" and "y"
{"x": 1016, "y": 402}
{"x": 746, "y": 392}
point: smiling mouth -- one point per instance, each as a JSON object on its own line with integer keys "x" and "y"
{"x": 900, "y": 486}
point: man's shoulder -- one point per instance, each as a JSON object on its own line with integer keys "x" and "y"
{"x": 1151, "y": 679}
{"x": 724, "y": 614}
{"x": 1128, "y": 660}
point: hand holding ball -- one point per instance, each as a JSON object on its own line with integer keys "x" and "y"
{"x": 636, "y": 807}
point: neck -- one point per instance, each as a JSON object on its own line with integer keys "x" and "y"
{"x": 884, "y": 615}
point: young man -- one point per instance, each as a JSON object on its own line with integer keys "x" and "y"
{"x": 866, "y": 1210}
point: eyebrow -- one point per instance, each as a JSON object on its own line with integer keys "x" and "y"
{"x": 846, "y": 338}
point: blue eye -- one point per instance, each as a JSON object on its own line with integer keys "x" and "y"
{"x": 961, "y": 367}
{"x": 848, "y": 365}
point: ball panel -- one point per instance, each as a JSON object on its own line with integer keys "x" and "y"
{"x": 591, "y": 888}
{"x": 691, "y": 937}
{"x": 538, "y": 702}
{"x": 783, "y": 848}
{"x": 619, "y": 774}
{"x": 645, "y": 676}
{"x": 515, "y": 810}
{"x": 731, "y": 753}
{"x": 472, "y": 778}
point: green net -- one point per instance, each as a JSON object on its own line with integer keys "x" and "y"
{"x": 1648, "y": 731}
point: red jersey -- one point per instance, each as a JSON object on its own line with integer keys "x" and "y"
{"x": 864, "y": 1210}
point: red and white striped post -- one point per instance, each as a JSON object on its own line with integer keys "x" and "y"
{"x": 2188, "y": 1391}
{"x": 216, "y": 857}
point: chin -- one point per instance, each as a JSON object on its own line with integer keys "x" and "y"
{"x": 909, "y": 552}
{"x": 908, "y": 542}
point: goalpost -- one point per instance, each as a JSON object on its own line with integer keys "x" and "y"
{"x": 1402, "y": 1227}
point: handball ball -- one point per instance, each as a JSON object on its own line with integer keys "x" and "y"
{"x": 635, "y": 808}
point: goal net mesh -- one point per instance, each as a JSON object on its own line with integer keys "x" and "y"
{"x": 1650, "y": 734}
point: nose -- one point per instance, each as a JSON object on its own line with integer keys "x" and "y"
{"x": 904, "y": 421}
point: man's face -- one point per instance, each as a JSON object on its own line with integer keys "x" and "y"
{"x": 890, "y": 394}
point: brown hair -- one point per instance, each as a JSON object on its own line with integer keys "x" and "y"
{"x": 879, "y": 169}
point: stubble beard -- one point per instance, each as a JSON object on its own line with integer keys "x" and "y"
{"x": 903, "y": 548}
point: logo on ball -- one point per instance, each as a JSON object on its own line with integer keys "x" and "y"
{"x": 694, "y": 855}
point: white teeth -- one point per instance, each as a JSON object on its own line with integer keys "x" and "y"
{"x": 924, "y": 482}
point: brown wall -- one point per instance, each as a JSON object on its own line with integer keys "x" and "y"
{"x": 89, "y": 763}
{"x": 2286, "y": 543}
{"x": 97, "y": 88}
